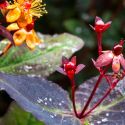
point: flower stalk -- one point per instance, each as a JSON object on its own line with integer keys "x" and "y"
{"x": 106, "y": 59}
{"x": 99, "y": 39}
{"x": 73, "y": 97}
{"x": 92, "y": 93}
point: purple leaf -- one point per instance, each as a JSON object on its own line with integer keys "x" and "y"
{"x": 5, "y": 33}
{"x": 45, "y": 100}
{"x": 112, "y": 109}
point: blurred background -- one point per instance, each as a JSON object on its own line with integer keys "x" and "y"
{"x": 74, "y": 16}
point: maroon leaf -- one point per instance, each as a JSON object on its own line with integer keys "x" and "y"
{"x": 5, "y": 33}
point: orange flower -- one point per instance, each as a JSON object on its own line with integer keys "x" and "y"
{"x": 25, "y": 10}
{"x": 20, "y": 14}
{"x": 30, "y": 38}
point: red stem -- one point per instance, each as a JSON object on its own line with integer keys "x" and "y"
{"x": 99, "y": 102}
{"x": 73, "y": 96}
{"x": 93, "y": 92}
{"x": 108, "y": 91}
{"x": 99, "y": 39}
{"x": 91, "y": 96}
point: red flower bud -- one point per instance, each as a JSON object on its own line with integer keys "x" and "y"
{"x": 3, "y": 4}
{"x": 114, "y": 57}
{"x": 30, "y": 26}
{"x": 100, "y": 26}
{"x": 117, "y": 50}
{"x": 69, "y": 67}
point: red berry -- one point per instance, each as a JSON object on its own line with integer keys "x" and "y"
{"x": 30, "y": 26}
{"x": 27, "y": 5}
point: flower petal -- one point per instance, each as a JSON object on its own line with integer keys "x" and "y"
{"x": 12, "y": 6}
{"x": 64, "y": 60}
{"x": 59, "y": 69}
{"x": 13, "y": 15}
{"x": 20, "y": 1}
{"x": 12, "y": 27}
{"x": 19, "y": 37}
{"x": 94, "y": 62}
{"x": 24, "y": 20}
{"x": 122, "y": 61}
{"x": 92, "y": 27}
{"x": 36, "y": 38}
{"x": 30, "y": 40}
{"x": 73, "y": 60}
{"x": 116, "y": 64}
{"x": 98, "y": 21}
{"x": 107, "y": 25}
{"x": 104, "y": 59}
{"x": 79, "y": 68}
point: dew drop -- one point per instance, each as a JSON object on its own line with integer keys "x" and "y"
{"x": 27, "y": 68}
{"x": 39, "y": 100}
{"x": 51, "y": 116}
{"x": 60, "y": 104}
{"x": 50, "y": 99}
{"x": 104, "y": 120}
{"x": 45, "y": 103}
{"x": 107, "y": 114}
{"x": 98, "y": 122}
{"x": 123, "y": 111}
{"x": 45, "y": 99}
{"x": 62, "y": 101}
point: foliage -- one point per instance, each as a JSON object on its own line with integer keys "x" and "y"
{"x": 44, "y": 99}
{"x": 17, "y": 116}
{"x": 42, "y": 61}
{"x": 51, "y": 104}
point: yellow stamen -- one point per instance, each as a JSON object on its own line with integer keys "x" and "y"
{"x": 37, "y": 8}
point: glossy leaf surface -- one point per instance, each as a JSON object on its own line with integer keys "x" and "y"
{"x": 45, "y": 100}
{"x": 112, "y": 109}
{"x": 43, "y": 60}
